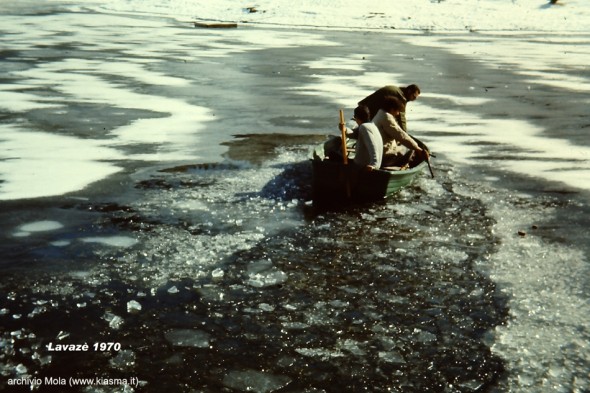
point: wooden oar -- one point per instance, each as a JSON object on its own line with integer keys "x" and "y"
{"x": 344, "y": 152}
{"x": 430, "y": 167}
{"x": 427, "y": 158}
{"x": 343, "y": 131}
{"x": 423, "y": 146}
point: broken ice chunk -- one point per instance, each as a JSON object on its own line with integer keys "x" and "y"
{"x": 424, "y": 336}
{"x": 259, "y": 266}
{"x": 36, "y": 311}
{"x": 392, "y": 357}
{"x": 61, "y": 335}
{"x": 114, "y": 321}
{"x": 472, "y": 385}
{"x": 267, "y": 278}
{"x": 133, "y": 306}
{"x": 217, "y": 273}
{"x": 266, "y": 307}
{"x": 352, "y": 346}
{"x": 21, "y": 369}
{"x": 124, "y": 359}
{"x": 255, "y": 381}
{"x": 188, "y": 338}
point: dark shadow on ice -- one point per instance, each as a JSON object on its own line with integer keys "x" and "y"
{"x": 294, "y": 182}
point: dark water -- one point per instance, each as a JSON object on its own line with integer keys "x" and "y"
{"x": 216, "y": 273}
{"x": 378, "y": 297}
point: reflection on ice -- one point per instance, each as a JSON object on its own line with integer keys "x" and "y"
{"x": 558, "y": 80}
{"x": 344, "y": 89}
{"x": 519, "y": 54}
{"x": 113, "y": 241}
{"x": 28, "y": 172}
{"x": 36, "y": 164}
{"x": 562, "y": 68}
{"x": 61, "y": 243}
{"x": 40, "y": 226}
{"x": 88, "y": 82}
{"x": 469, "y": 138}
{"x": 456, "y": 100}
{"x": 17, "y": 101}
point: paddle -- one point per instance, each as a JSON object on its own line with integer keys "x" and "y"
{"x": 423, "y": 146}
{"x": 428, "y": 159}
{"x": 429, "y": 167}
{"x": 344, "y": 151}
{"x": 343, "y": 131}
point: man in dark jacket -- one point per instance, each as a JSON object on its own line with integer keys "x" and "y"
{"x": 405, "y": 94}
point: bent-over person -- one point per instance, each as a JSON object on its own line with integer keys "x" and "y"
{"x": 398, "y": 146}
{"x": 404, "y": 94}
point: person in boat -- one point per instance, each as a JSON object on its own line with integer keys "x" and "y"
{"x": 368, "y": 153}
{"x": 399, "y": 148}
{"x": 404, "y": 94}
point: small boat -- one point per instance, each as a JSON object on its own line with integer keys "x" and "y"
{"x": 216, "y": 25}
{"x": 335, "y": 183}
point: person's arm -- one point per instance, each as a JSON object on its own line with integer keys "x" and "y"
{"x": 352, "y": 129}
{"x": 395, "y": 131}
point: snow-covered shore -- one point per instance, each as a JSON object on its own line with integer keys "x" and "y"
{"x": 431, "y": 15}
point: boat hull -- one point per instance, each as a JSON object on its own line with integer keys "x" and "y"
{"x": 336, "y": 183}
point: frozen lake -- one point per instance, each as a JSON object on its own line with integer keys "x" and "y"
{"x": 154, "y": 192}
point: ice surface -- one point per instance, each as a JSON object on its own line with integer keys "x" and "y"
{"x": 177, "y": 124}
{"x": 15, "y": 101}
{"x": 341, "y": 300}
{"x": 546, "y": 285}
{"x": 375, "y": 14}
{"x": 36, "y": 167}
{"x": 545, "y": 160}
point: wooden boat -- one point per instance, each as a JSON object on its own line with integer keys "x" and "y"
{"x": 216, "y": 25}
{"x": 335, "y": 182}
